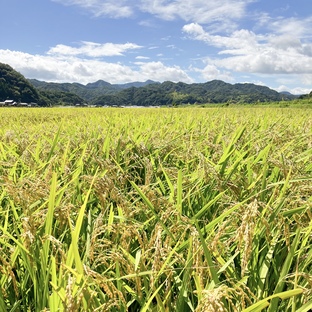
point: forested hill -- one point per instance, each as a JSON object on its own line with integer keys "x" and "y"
{"x": 88, "y": 92}
{"x": 169, "y": 93}
{"x": 152, "y": 93}
{"x": 15, "y": 86}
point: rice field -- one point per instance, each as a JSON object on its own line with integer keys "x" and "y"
{"x": 193, "y": 209}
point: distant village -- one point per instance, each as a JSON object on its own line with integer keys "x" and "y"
{"x": 12, "y": 103}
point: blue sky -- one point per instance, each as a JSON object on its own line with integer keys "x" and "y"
{"x": 258, "y": 41}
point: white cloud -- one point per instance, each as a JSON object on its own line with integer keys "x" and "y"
{"x": 149, "y": 23}
{"x": 202, "y": 11}
{"x": 92, "y": 49}
{"x": 299, "y": 28}
{"x": 290, "y": 83}
{"x": 211, "y": 72}
{"x": 84, "y": 70}
{"x": 297, "y": 91}
{"x": 111, "y": 8}
{"x": 239, "y": 39}
{"x": 140, "y": 57}
{"x": 159, "y": 72}
{"x": 247, "y": 52}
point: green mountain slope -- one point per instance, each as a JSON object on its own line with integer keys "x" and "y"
{"x": 62, "y": 98}
{"x": 87, "y": 92}
{"x": 16, "y": 87}
{"x": 170, "y": 93}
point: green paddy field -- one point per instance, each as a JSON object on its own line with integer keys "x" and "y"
{"x": 163, "y": 209}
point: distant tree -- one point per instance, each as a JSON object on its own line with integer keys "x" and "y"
{"x": 15, "y": 86}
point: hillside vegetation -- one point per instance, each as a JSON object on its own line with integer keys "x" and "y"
{"x": 14, "y": 86}
{"x": 151, "y": 93}
{"x": 88, "y": 92}
{"x": 169, "y": 93}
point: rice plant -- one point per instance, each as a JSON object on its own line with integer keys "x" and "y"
{"x": 193, "y": 209}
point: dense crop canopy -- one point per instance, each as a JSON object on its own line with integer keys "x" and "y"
{"x": 203, "y": 209}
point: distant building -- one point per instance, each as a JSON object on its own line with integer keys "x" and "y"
{"x": 9, "y": 103}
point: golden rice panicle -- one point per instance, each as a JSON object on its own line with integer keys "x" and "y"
{"x": 70, "y": 302}
{"x": 245, "y": 233}
{"x": 213, "y": 300}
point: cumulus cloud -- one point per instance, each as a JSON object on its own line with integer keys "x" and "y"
{"x": 297, "y": 90}
{"x": 84, "y": 70}
{"x": 245, "y": 51}
{"x": 159, "y": 72}
{"x": 93, "y": 49}
{"x": 239, "y": 39}
{"x": 211, "y": 72}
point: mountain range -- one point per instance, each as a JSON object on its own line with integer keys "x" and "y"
{"x": 15, "y": 86}
{"x": 151, "y": 93}
{"x": 87, "y": 92}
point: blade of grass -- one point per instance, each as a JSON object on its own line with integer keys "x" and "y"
{"x": 260, "y": 305}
